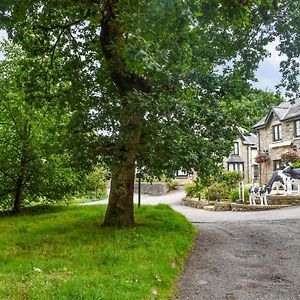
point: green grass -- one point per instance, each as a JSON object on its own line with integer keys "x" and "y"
{"x": 64, "y": 253}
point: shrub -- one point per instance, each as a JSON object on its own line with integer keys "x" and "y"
{"x": 231, "y": 178}
{"x": 234, "y": 194}
{"x": 172, "y": 184}
{"x": 193, "y": 189}
{"x": 94, "y": 184}
{"x": 218, "y": 187}
{"x": 222, "y": 184}
{"x": 296, "y": 164}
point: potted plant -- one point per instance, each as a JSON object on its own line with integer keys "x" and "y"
{"x": 261, "y": 157}
{"x": 289, "y": 157}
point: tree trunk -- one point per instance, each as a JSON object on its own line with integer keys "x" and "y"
{"x": 120, "y": 204}
{"x": 18, "y": 196}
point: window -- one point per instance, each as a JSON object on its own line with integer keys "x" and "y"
{"x": 181, "y": 173}
{"x": 277, "y": 133}
{"x": 297, "y": 128}
{"x": 255, "y": 171}
{"x": 278, "y": 165}
{"x": 235, "y": 149}
{"x": 236, "y": 167}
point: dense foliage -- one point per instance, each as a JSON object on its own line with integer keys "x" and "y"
{"x": 252, "y": 107}
{"x": 223, "y": 185}
{"x": 35, "y": 161}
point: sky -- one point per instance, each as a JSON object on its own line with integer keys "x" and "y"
{"x": 268, "y": 74}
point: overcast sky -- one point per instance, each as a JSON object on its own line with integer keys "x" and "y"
{"x": 267, "y": 74}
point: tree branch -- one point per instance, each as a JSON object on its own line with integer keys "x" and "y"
{"x": 53, "y": 48}
{"x": 63, "y": 26}
{"x": 6, "y": 192}
{"x": 112, "y": 34}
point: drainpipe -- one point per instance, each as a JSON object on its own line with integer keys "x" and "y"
{"x": 259, "y": 165}
{"x": 248, "y": 165}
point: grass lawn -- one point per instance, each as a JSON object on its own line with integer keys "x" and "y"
{"x": 63, "y": 253}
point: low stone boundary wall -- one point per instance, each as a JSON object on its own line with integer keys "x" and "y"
{"x": 245, "y": 207}
{"x": 194, "y": 202}
{"x": 155, "y": 189}
{"x": 222, "y": 206}
{"x": 283, "y": 199}
{"x": 227, "y": 205}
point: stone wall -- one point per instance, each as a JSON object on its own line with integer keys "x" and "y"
{"x": 155, "y": 189}
{"x": 245, "y": 207}
{"x": 283, "y": 199}
{"x": 222, "y": 206}
{"x": 275, "y": 202}
{"x": 194, "y": 202}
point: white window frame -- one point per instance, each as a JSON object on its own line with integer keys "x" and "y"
{"x": 297, "y": 128}
{"x": 277, "y": 133}
{"x": 235, "y": 166}
{"x": 236, "y": 150}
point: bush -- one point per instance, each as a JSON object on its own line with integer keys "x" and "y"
{"x": 231, "y": 178}
{"x": 222, "y": 184}
{"x": 234, "y": 194}
{"x": 172, "y": 184}
{"x": 193, "y": 189}
{"x": 94, "y": 184}
{"x": 215, "y": 188}
{"x": 296, "y": 164}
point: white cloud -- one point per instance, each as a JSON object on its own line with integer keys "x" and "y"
{"x": 275, "y": 57}
{"x": 268, "y": 74}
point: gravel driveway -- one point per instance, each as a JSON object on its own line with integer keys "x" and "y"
{"x": 244, "y": 260}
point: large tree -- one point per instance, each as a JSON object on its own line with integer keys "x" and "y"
{"x": 36, "y": 160}
{"x": 153, "y": 74}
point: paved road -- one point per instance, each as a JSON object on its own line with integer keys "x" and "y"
{"x": 250, "y": 260}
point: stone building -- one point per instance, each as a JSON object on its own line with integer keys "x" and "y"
{"x": 278, "y": 132}
{"x": 242, "y": 156}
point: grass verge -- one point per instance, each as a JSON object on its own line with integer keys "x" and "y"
{"x": 64, "y": 253}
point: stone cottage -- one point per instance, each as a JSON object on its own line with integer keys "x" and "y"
{"x": 242, "y": 156}
{"x": 278, "y": 132}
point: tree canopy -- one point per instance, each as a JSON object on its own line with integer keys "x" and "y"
{"x": 149, "y": 79}
{"x": 36, "y": 160}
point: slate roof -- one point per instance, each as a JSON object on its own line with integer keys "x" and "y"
{"x": 294, "y": 111}
{"x": 260, "y": 123}
{"x": 250, "y": 139}
{"x": 247, "y": 138}
{"x": 284, "y": 111}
